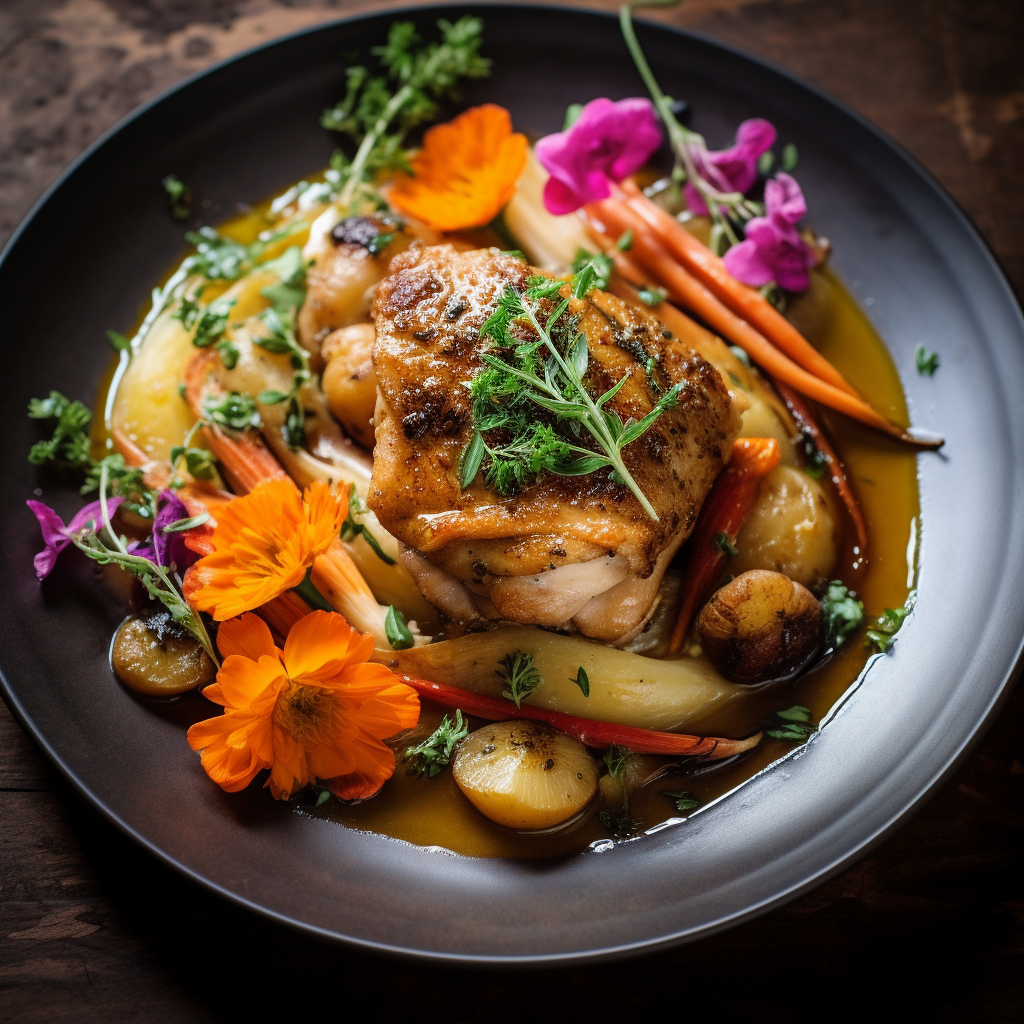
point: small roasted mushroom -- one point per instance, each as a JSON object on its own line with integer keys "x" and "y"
{"x": 525, "y": 774}
{"x": 154, "y": 656}
{"x": 761, "y": 626}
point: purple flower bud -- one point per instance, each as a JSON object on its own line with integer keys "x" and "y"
{"x": 167, "y": 549}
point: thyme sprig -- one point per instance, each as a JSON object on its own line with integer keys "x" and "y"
{"x": 435, "y": 752}
{"x": 546, "y": 372}
{"x": 379, "y": 110}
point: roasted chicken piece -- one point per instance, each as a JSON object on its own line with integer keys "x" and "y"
{"x": 566, "y": 551}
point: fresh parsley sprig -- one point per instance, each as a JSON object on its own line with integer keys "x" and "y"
{"x": 70, "y": 447}
{"x": 547, "y": 373}
{"x": 379, "y": 110}
{"x": 436, "y": 751}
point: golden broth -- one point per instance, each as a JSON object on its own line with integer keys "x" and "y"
{"x": 434, "y": 813}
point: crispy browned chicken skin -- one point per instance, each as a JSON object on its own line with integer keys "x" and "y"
{"x": 567, "y": 551}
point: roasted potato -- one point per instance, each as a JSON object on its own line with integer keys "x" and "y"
{"x": 759, "y": 627}
{"x": 791, "y": 529}
{"x": 349, "y": 380}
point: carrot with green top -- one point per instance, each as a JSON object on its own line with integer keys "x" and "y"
{"x": 587, "y": 731}
{"x": 744, "y": 301}
{"x": 723, "y": 513}
{"x": 685, "y": 290}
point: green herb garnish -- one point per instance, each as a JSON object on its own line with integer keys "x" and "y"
{"x": 927, "y": 362}
{"x": 582, "y": 680}
{"x": 236, "y": 411}
{"x": 180, "y": 525}
{"x": 882, "y": 635}
{"x": 684, "y": 800}
{"x": 70, "y": 446}
{"x": 792, "y": 724}
{"x": 430, "y": 756}
{"x": 725, "y": 545}
{"x": 615, "y": 759}
{"x": 842, "y": 613}
{"x": 179, "y": 196}
{"x": 621, "y": 826}
{"x": 547, "y": 373}
{"x": 398, "y": 633}
{"x": 520, "y": 676}
{"x": 652, "y": 296}
{"x": 378, "y": 111}
{"x": 350, "y": 529}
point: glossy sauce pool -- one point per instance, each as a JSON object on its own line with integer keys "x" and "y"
{"x": 434, "y": 813}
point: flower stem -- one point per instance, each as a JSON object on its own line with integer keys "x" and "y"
{"x": 308, "y": 592}
{"x": 358, "y": 165}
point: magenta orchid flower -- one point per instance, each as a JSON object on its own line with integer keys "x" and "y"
{"x": 57, "y": 536}
{"x": 733, "y": 169}
{"x": 773, "y": 249}
{"x": 167, "y": 549}
{"x": 606, "y": 143}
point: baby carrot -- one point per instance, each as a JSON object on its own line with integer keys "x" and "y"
{"x": 686, "y": 290}
{"x": 744, "y": 301}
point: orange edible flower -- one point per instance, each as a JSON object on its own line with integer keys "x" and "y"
{"x": 466, "y": 171}
{"x": 316, "y": 710}
{"x": 263, "y": 544}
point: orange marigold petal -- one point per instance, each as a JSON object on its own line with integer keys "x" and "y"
{"x": 358, "y": 785}
{"x": 466, "y": 171}
{"x": 251, "y": 686}
{"x": 248, "y": 637}
{"x": 322, "y": 645}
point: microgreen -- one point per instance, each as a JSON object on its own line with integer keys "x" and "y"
{"x": 841, "y": 612}
{"x": 179, "y": 197}
{"x": 379, "y": 110}
{"x": 290, "y": 292}
{"x": 236, "y": 411}
{"x": 684, "y": 800}
{"x": 520, "y": 676}
{"x": 582, "y": 680}
{"x": 546, "y": 373}
{"x": 118, "y": 342}
{"x": 351, "y": 528}
{"x": 927, "y": 362}
{"x": 70, "y": 445}
{"x": 652, "y": 296}
{"x": 882, "y": 634}
{"x": 725, "y": 545}
{"x": 430, "y": 756}
{"x": 398, "y": 633}
{"x": 792, "y": 724}
{"x": 198, "y": 461}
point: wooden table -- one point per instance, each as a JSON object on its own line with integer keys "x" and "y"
{"x": 928, "y": 926}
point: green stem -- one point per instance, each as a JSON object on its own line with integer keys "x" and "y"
{"x": 355, "y": 171}
{"x": 308, "y": 592}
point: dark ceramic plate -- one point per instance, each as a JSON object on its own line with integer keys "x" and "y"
{"x": 85, "y": 260}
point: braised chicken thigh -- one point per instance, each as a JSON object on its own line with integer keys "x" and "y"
{"x": 565, "y": 551}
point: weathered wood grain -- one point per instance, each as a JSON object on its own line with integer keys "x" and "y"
{"x": 929, "y": 927}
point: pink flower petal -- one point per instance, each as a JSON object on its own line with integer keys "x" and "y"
{"x": 607, "y": 142}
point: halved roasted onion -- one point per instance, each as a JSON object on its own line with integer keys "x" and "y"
{"x": 525, "y": 774}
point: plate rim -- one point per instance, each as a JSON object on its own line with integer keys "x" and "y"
{"x": 593, "y": 955}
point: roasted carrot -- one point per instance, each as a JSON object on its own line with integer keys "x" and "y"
{"x": 807, "y": 422}
{"x": 743, "y": 300}
{"x": 685, "y": 290}
{"x": 593, "y": 734}
{"x": 724, "y": 510}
